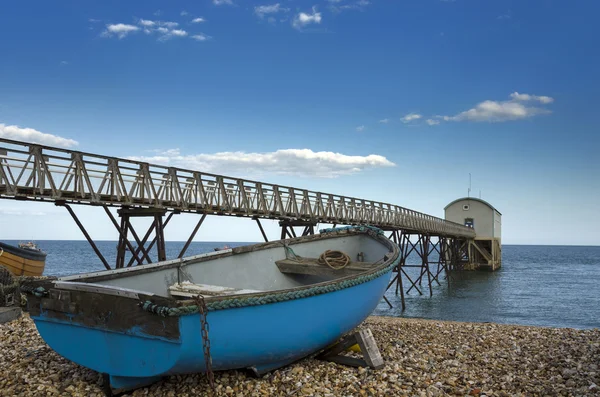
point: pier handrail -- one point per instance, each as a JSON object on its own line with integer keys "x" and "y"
{"x": 36, "y": 172}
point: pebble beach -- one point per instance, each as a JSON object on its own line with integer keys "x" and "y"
{"x": 422, "y": 358}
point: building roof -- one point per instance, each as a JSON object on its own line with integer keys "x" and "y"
{"x": 473, "y": 199}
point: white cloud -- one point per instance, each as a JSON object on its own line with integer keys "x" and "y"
{"x": 221, "y": 2}
{"x": 299, "y": 162}
{"x": 169, "y": 25}
{"x": 411, "y": 117}
{"x": 167, "y": 34}
{"x": 499, "y": 111}
{"x": 269, "y": 9}
{"x": 303, "y": 19}
{"x": 183, "y": 13}
{"x": 384, "y": 121}
{"x": 360, "y": 128}
{"x": 526, "y": 97}
{"x": 432, "y": 122}
{"x": 120, "y": 30}
{"x": 201, "y": 37}
{"x": 34, "y": 136}
{"x": 147, "y": 23}
{"x": 198, "y": 20}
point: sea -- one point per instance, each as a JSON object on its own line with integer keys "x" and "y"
{"x": 550, "y": 286}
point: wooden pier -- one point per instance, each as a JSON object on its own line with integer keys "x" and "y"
{"x": 32, "y": 172}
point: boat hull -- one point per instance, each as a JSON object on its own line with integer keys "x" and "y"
{"x": 21, "y": 262}
{"x": 261, "y": 336}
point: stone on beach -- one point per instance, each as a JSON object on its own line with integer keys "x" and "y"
{"x": 422, "y": 357}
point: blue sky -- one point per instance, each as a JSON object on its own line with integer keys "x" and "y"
{"x": 505, "y": 90}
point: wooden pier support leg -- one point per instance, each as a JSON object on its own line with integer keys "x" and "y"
{"x": 142, "y": 245}
{"x": 164, "y": 225}
{"x": 262, "y": 231}
{"x": 123, "y": 240}
{"x": 85, "y": 233}
{"x": 189, "y": 241}
{"x": 425, "y": 249}
{"x": 160, "y": 241}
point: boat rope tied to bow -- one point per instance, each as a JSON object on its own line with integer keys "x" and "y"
{"x": 40, "y": 292}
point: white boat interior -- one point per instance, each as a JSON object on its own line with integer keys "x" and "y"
{"x": 247, "y": 270}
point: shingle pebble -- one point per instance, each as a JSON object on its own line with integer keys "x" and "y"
{"x": 423, "y": 358}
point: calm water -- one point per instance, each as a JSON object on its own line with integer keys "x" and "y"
{"x": 555, "y": 286}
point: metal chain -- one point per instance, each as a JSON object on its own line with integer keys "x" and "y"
{"x": 205, "y": 341}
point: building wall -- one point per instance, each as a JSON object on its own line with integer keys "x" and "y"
{"x": 497, "y": 225}
{"x": 483, "y": 216}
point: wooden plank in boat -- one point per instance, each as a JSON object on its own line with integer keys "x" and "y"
{"x": 189, "y": 290}
{"x": 311, "y": 266}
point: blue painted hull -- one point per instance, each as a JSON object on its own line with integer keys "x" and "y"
{"x": 252, "y": 336}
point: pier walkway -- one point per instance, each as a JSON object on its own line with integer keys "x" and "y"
{"x": 33, "y": 172}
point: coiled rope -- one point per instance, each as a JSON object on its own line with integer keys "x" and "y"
{"x": 334, "y": 259}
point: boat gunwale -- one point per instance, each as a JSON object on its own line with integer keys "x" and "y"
{"x": 388, "y": 259}
{"x": 24, "y": 253}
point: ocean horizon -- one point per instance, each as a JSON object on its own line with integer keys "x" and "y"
{"x": 539, "y": 285}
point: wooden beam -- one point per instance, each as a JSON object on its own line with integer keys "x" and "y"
{"x": 310, "y": 266}
{"x": 365, "y": 340}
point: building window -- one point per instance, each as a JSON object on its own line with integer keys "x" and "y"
{"x": 469, "y": 223}
{"x": 466, "y": 207}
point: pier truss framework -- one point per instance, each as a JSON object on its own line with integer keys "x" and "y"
{"x": 33, "y": 172}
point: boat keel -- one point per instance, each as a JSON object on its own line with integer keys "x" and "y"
{"x": 260, "y": 370}
{"x": 116, "y": 385}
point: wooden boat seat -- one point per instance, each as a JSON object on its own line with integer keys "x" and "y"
{"x": 312, "y": 267}
{"x": 187, "y": 289}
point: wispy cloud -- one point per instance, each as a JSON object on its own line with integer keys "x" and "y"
{"x": 16, "y": 211}
{"x": 261, "y": 11}
{"x": 342, "y": 5}
{"x": 168, "y": 24}
{"x": 34, "y": 136}
{"x": 146, "y": 23}
{"x": 201, "y": 37}
{"x": 120, "y": 30}
{"x": 302, "y": 19}
{"x": 432, "y": 122}
{"x": 64, "y": 62}
{"x": 184, "y": 13}
{"x": 198, "y": 20}
{"x": 222, "y": 2}
{"x": 298, "y": 162}
{"x": 173, "y": 33}
{"x": 499, "y": 111}
{"x": 411, "y": 117}
{"x": 384, "y": 121}
{"x": 360, "y": 128}
{"x": 165, "y": 30}
{"x": 526, "y": 97}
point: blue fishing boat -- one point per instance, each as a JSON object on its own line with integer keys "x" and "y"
{"x": 257, "y": 307}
